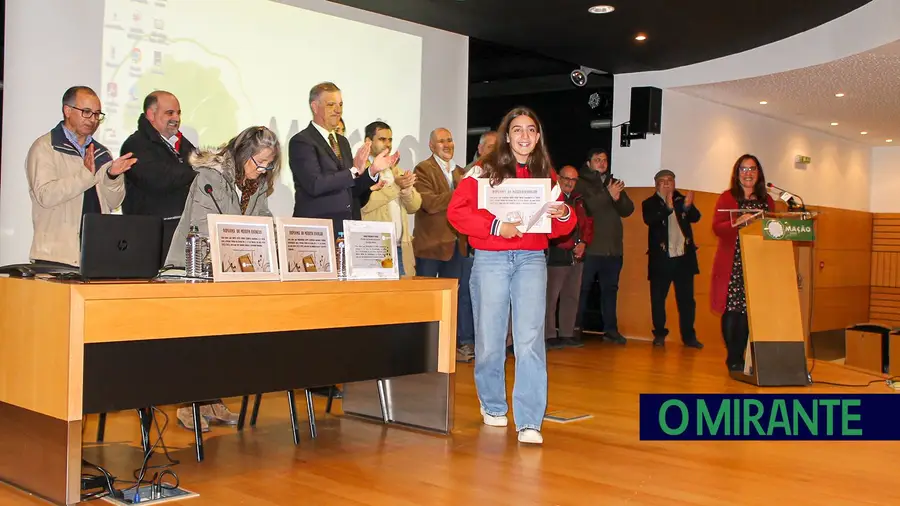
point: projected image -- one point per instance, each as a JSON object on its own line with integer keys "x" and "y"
{"x": 252, "y": 62}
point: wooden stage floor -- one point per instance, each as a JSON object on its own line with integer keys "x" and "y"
{"x": 596, "y": 461}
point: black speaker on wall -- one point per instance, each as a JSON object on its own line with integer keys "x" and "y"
{"x": 646, "y": 110}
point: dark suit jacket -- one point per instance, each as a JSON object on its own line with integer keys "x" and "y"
{"x": 323, "y": 184}
{"x": 656, "y": 216}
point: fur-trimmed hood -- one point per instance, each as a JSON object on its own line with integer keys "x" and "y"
{"x": 212, "y": 159}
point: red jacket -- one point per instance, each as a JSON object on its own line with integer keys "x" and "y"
{"x": 724, "y": 259}
{"x": 467, "y": 219}
{"x": 585, "y": 232}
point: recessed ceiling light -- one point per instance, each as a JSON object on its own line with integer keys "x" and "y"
{"x": 889, "y": 140}
{"x": 863, "y": 133}
{"x": 640, "y": 37}
{"x": 601, "y": 9}
{"x": 762, "y": 102}
{"x": 839, "y": 95}
{"x": 834, "y": 123}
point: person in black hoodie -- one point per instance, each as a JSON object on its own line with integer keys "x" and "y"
{"x": 158, "y": 184}
{"x": 671, "y": 256}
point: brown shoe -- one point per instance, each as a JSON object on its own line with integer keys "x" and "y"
{"x": 218, "y": 413}
{"x": 186, "y": 419}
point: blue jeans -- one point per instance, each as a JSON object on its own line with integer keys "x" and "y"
{"x": 498, "y": 279}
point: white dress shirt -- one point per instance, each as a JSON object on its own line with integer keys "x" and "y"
{"x": 447, "y": 168}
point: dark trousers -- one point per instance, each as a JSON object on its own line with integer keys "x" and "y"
{"x": 465, "y": 317}
{"x": 454, "y": 268}
{"x": 669, "y": 274}
{"x": 563, "y": 287}
{"x": 735, "y": 332}
{"x": 606, "y": 270}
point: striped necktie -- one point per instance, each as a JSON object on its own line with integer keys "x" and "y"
{"x": 334, "y": 145}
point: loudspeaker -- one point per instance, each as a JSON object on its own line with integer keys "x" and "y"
{"x": 646, "y": 110}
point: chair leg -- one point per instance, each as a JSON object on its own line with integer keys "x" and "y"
{"x": 101, "y": 427}
{"x": 198, "y": 431}
{"x": 331, "y": 391}
{"x": 255, "y": 412}
{"x": 242, "y": 416}
{"x": 293, "y": 413}
{"x": 311, "y": 412}
{"x": 382, "y": 399}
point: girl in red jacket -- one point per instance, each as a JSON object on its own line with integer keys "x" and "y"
{"x": 510, "y": 268}
{"x": 727, "y": 297}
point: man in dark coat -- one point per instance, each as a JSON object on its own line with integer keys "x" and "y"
{"x": 158, "y": 184}
{"x": 672, "y": 256}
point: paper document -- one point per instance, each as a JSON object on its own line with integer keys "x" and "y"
{"x": 523, "y": 201}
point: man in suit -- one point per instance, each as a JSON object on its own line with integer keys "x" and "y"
{"x": 671, "y": 256}
{"x": 158, "y": 183}
{"x": 439, "y": 248}
{"x": 328, "y": 183}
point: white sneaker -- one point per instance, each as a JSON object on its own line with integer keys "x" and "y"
{"x": 494, "y": 421}
{"x": 531, "y": 436}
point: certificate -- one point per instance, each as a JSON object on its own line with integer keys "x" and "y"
{"x": 371, "y": 250}
{"x": 242, "y": 248}
{"x": 525, "y": 200}
{"x": 305, "y": 249}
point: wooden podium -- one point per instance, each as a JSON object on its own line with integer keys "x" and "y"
{"x": 776, "y": 351}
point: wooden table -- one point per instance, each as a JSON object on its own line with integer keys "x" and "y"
{"x": 71, "y": 349}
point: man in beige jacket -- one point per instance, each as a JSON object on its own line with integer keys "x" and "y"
{"x": 394, "y": 197}
{"x": 69, "y": 175}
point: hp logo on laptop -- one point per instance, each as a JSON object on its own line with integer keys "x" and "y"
{"x": 122, "y": 245}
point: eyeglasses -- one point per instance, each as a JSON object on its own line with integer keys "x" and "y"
{"x": 749, "y": 169}
{"x": 261, "y": 168}
{"x": 87, "y": 113}
{"x": 564, "y": 178}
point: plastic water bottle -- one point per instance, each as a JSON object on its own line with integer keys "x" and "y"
{"x": 339, "y": 257}
{"x": 193, "y": 253}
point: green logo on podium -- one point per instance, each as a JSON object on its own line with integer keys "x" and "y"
{"x": 788, "y": 230}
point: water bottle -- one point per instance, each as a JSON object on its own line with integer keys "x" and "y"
{"x": 193, "y": 253}
{"x": 339, "y": 257}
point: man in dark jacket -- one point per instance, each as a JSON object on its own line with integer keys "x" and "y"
{"x": 158, "y": 183}
{"x": 607, "y": 204}
{"x": 671, "y": 256}
{"x": 329, "y": 181}
{"x": 565, "y": 258}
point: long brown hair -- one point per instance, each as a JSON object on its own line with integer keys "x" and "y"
{"x": 501, "y": 162}
{"x": 759, "y": 189}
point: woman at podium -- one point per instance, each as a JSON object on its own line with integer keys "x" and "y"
{"x": 747, "y": 192}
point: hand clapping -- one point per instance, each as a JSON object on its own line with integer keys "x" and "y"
{"x": 615, "y": 189}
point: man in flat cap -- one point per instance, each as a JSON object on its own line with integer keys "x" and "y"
{"x": 671, "y": 256}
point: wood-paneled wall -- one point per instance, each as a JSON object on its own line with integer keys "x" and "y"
{"x": 885, "y": 279}
{"x": 840, "y": 278}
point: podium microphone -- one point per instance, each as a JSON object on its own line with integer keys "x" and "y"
{"x": 788, "y": 198}
{"x": 208, "y": 190}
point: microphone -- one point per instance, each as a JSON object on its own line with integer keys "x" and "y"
{"x": 208, "y": 190}
{"x": 788, "y": 198}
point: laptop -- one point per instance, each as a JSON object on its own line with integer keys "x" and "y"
{"x": 116, "y": 246}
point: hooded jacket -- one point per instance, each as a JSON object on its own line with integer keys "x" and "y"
{"x": 217, "y": 171}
